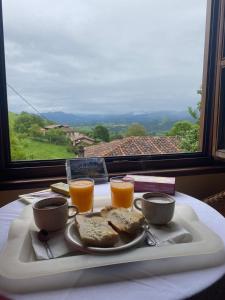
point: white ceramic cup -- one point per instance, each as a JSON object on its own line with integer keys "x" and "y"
{"x": 157, "y": 208}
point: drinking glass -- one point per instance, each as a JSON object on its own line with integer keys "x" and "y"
{"x": 122, "y": 192}
{"x": 82, "y": 193}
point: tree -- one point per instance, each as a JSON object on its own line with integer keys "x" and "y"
{"x": 180, "y": 128}
{"x": 56, "y": 136}
{"x": 136, "y": 129}
{"x": 115, "y": 136}
{"x": 101, "y": 132}
{"x": 187, "y": 131}
{"x": 195, "y": 113}
{"x": 25, "y": 121}
{"x": 16, "y": 146}
{"x": 79, "y": 150}
{"x": 34, "y": 131}
{"x": 190, "y": 142}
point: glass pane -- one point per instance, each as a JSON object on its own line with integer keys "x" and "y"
{"x": 103, "y": 78}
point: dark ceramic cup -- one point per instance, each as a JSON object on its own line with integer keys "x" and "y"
{"x": 157, "y": 208}
{"x": 51, "y": 214}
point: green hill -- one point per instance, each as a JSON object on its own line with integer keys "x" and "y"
{"x": 41, "y": 150}
{"x": 26, "y": 148}
{"x": 12, "y": 118}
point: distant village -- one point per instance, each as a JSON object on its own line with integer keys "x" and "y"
{"x": 85, "y": 146}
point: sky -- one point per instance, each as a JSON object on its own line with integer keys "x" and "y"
{"x": 104, "y": 56}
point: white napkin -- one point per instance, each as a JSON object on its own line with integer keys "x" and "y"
{"x": 56, "y": 246}
{"x": 171, "y": 233}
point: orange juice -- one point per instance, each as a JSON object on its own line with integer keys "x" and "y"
{"x": 82, "y": 194}
{"x": 122, "y": 194}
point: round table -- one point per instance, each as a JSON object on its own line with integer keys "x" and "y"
{"x": 173, "y": 286}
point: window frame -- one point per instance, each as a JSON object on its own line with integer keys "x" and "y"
{"x": 219, "y": 111}
{"x": 172, "y": 164}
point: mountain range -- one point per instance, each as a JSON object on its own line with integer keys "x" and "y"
{"x": 92, "y": 119}
{"x": 155, "y": 122}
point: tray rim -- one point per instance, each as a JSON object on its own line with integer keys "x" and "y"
{"x": 11, "y": 266}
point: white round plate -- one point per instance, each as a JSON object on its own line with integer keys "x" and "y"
{"x": 125, "y": 242}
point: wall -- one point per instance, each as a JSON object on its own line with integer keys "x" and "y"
{"x": 201, "y": 186}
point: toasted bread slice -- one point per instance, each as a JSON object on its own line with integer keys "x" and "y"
{"x": 60, "y": 188}
{"x": 95, "y": 231}
{"x": 123, "y": 220}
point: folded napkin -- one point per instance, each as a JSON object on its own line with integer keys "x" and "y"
{"x": 171, "y": 233}
{"x": 57, "y": 246}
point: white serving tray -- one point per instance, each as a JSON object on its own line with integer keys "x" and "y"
{"x": 20, "y": 272}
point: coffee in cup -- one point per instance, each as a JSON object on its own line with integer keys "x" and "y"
{"x": 157, "y": 208}
{"x": 51, "y": 214}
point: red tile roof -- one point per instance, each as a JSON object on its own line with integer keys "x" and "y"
{"x": 135, "y": 145}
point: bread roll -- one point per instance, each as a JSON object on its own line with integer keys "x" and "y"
{"x": 123, "y": 220}
{"x": 95, "y": 231}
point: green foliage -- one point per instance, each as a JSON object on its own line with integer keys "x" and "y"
{"x": 24, "y": 145}
{"x": 195, "y": 113}
{"x": 16, "y": 147}
{"x": 187, "y": 131}
{"x": 32, "y": 149}
{"x": 190, "y": 142}
{"x": 24, "y": 123}
{"x": 34, "y": 131}
{"x": 29, "y": 125}
{"x": 12, "y": 118}
{"x": 100, "y": 132}
{"x": 16, "y": 144}
{"x": 57, "y": 137}
{"x": 27, "y": 149}
{"x": 136, "y": 129}
{"x": 79, "y": 149}
{"x": 115, "y": 136}
{"x": 180, "y": 128}
{"x": 87, "y": 130}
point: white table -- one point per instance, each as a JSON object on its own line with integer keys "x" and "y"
{"x": 173, "y": 286}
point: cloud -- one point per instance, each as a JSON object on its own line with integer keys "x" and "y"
{"x": 102, "y": 56}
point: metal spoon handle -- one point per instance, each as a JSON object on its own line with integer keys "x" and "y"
{"x": 150, "y": 239}
{"x": 49, "y": 251}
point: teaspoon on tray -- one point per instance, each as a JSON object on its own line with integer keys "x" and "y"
{"x": 43, "y": 237}
{"x": 150, "y": 239}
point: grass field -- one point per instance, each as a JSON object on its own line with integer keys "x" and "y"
{"x": 36, "y": 150}
{"x": 12, "y": 117}
{"x": 40, "y": 150}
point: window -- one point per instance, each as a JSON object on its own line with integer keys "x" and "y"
{"x": 219, "y": 114}
{"x": 111, "y": 77}
{"x": 134, "y": 161}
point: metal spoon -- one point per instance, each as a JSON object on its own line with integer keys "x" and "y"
{"x": 150, "y": 238}
{"x": 43, "y": 237}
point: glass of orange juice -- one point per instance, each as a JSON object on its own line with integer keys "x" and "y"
{"x": 122, "y": 192}
{"x": 82, "y": 193}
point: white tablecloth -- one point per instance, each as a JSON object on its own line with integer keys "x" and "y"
{"x": 173, "y": 286}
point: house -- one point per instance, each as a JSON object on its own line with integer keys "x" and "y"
{"x": 56, "y": 126}
{"x": 74, "y": 136}
{"x": 135, "y": 145}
